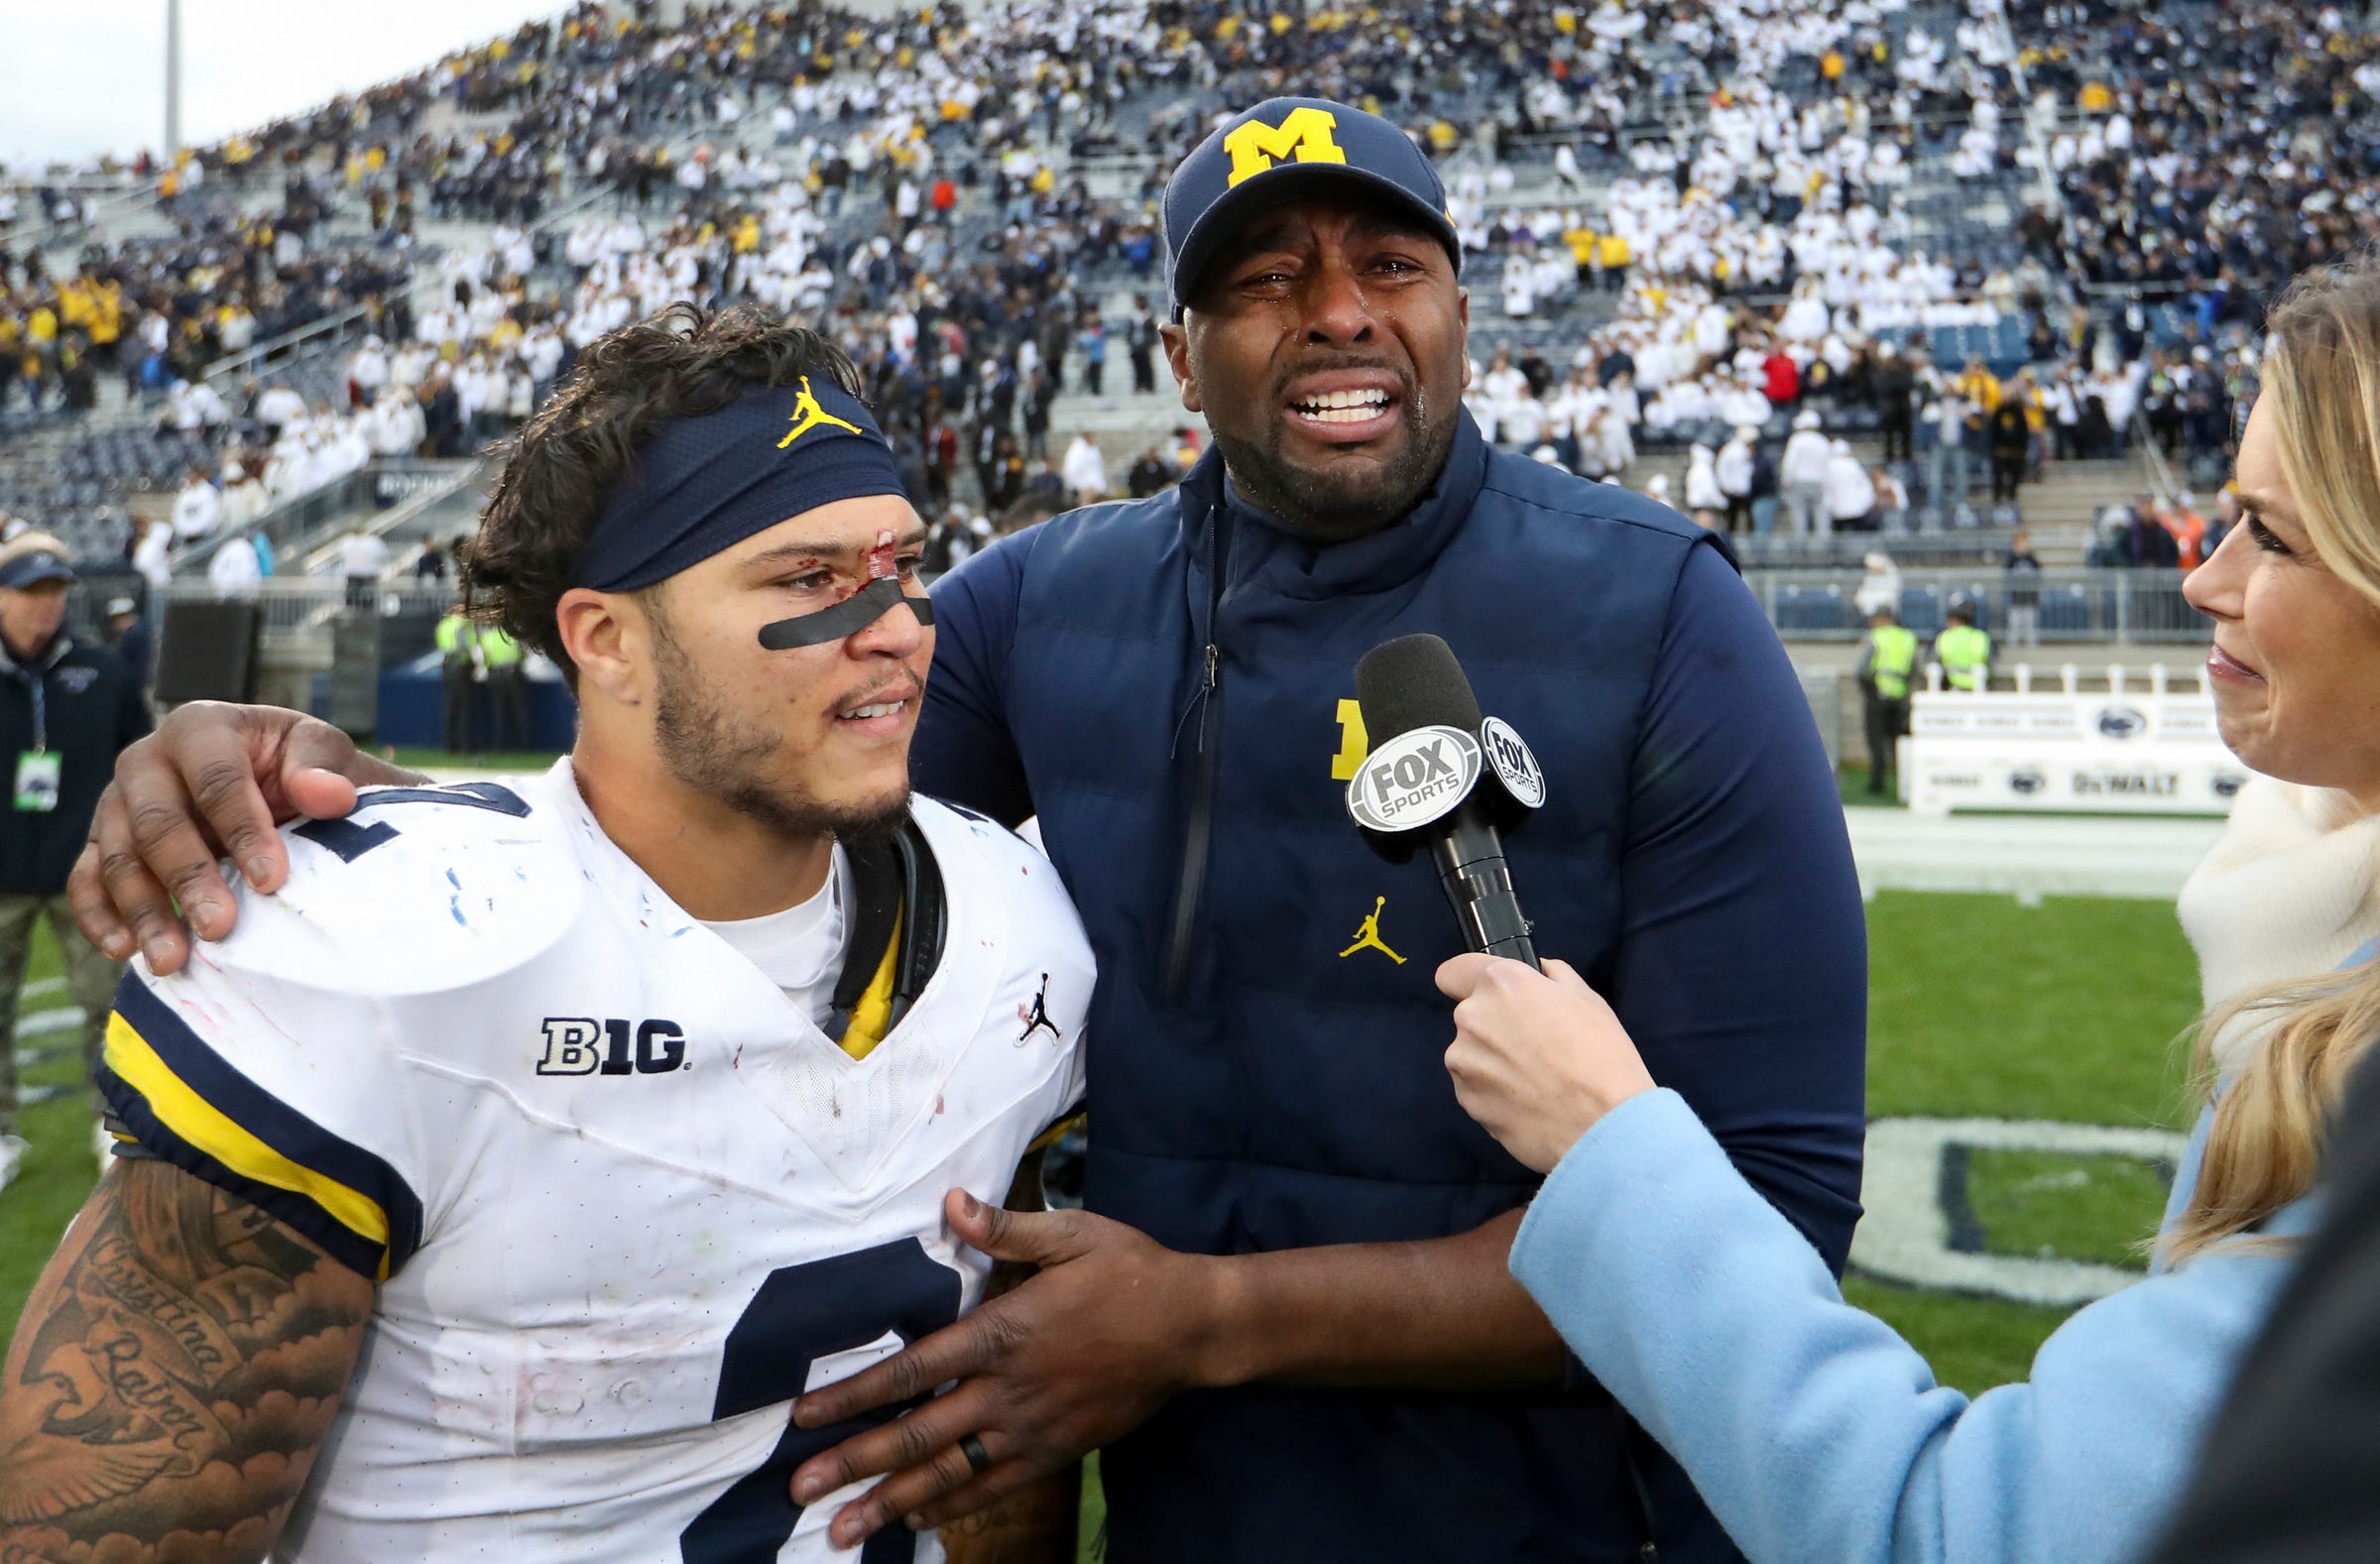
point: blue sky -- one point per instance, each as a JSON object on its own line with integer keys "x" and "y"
{"x": 79, "y": 78}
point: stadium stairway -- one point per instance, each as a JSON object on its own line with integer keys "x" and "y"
{"x": 2060, "y": 510}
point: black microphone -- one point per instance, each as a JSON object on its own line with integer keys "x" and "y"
{"x": 1429, "y": 748}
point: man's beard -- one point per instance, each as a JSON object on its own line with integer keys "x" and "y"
{"x": 711, "y": 753}
{"x": 1326, "y": 507}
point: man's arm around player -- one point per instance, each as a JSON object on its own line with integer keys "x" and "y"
{"x": 171, "y": 1379}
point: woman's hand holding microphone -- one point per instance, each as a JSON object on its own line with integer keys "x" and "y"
{"x": 1538, "y": 1058}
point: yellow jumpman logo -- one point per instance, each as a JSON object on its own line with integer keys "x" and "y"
{"x": 808, "y": 415}
{"x": 1369, "y": 934}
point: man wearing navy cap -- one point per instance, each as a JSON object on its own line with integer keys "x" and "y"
{"x": 1286, "y": 1315}
{"x": 66, "y": 709}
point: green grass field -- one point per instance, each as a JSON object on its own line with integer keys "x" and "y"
{"x": 1978, "y": 1007}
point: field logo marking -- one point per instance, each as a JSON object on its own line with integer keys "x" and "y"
{"x": 1907, "y": 1235}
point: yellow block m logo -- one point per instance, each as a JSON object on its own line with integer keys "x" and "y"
{"x": 1306, "y": 134}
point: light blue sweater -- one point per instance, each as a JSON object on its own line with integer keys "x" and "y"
{"x": 1814, "y": 1432}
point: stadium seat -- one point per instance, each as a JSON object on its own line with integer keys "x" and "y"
{"x": 2065, "y": 611}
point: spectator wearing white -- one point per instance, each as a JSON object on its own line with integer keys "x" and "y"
{"x": 1734, "y": 473}
{"x": 1521, "y": 286}
{"x": 243, "y": 499}
{"x": 1802, "y": 475}
{"x": 1524, "y": 420}
{"x": 1705, "y": 500}
{"x": 397, "y": 426}
{"x": 1851, "y": 492}
{"x": 1503, "y": 383}
{"x": 1891, "y": 497}
{"x": 197, "y": 508}
{"x": 194, "y": 405}
{"x": 366, "y": 372}
{"x": 363, "y": 560}
{"x": 278, "y": 408}
{"x": 1879, "y": 586}
{"x": 235, "y": 572}
{"x": 153, "y": 558}
{"x": 1085, "y": 471}
{"x": 1947, "y": 479}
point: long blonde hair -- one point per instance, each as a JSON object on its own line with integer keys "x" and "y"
{"x": 2321, "y": 390}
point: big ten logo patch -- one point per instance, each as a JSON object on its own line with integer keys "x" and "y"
{"x": 583, "y": 1045}
{"x": 1307, "y": 135}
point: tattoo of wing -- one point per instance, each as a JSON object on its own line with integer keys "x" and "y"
{"x": 175, "y": 1372}
{"x": 50, "y": 1477}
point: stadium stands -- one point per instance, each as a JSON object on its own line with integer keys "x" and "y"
{"x": 1716, "y": 219}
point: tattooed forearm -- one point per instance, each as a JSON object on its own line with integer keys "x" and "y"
{"x": 1036, "y": 1525}
{"x": 173, "y": 1372}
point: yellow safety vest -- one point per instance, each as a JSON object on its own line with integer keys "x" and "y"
{"x": 1895, "y": 657}
{"x": 1963, "y": 653}
{"x": 455, "y": 634}
{"x": 498, "y": 650}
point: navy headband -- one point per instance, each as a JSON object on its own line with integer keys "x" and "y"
{"x": 703, "y": 485}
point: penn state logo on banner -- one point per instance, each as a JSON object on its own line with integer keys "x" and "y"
{"x": 2122, "y": 722}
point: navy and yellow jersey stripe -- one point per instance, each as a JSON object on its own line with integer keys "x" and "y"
{"x": 1075, "y": 1118}
{"x": 183, "y": 1100}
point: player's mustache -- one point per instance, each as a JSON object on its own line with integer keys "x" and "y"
{"x": 909, "y": 685}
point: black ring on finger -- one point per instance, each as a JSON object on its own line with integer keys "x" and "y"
{"x": 976, "y": 1456}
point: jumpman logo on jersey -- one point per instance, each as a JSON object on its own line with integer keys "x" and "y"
{"x": 808, "y": 415}
{"x": 1368, "y": 935}
{"x": 1038, "y": 1016}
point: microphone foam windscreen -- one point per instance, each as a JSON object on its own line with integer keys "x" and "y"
{"x": 1413, "y": 681}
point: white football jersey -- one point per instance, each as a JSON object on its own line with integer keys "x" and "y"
{"x": 627, "y": 1199}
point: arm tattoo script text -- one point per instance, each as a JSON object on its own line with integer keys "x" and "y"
{"x": 174, "y": 1370}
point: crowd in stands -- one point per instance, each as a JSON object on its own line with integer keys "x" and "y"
{"x": 1687, "y": 228}
{"x": 2211, "y": 149}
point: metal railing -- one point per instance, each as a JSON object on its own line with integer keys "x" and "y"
{"x": 2069, "y": 607}
{"x": 444, "y": 485}
{"x": 287, "y": 520}
{"x": 295, "y": 604}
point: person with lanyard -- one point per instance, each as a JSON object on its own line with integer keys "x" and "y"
{"x": 1284, "y": 1316}
{"x": 66, "y": 709}
{"x": 458, "y": 677}
{"x": 1885, "y": 664}
{"x": 1963, "y": 651}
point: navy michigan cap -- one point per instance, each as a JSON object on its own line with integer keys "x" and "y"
{"x": 1282, "y": 149}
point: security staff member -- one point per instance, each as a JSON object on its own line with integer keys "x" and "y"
{"x": 1286, "y": 1315}
{"x": 508, "y": 689}
{"x": 458, "y": 676}
{"x": 1963, "y": 652}
{"x": 1885, "y": 665}
{"x": 65, "y": 710}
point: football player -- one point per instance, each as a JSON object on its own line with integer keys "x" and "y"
{"x": 491, "y": 1193}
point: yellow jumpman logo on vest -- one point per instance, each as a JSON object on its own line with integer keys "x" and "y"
{"x": 808, "y": 415}
{"x": 1368, "y": 935}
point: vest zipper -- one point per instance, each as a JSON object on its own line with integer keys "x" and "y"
{"x": 1199, "y": 826}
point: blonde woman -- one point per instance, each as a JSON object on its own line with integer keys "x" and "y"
{"x": 1813, "y": 1430}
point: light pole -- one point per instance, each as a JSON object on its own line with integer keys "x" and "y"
{"x": 172, "y": 80}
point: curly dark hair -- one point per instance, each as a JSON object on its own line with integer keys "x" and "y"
{"x": 682, "y": 363}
